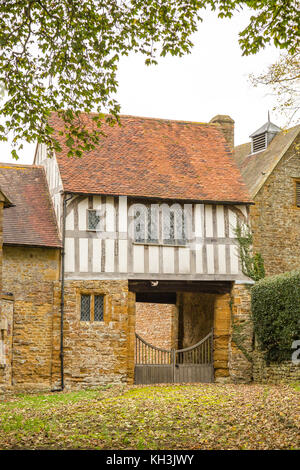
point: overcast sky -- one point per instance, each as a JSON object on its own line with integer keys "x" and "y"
{"x": 212, "y": 80}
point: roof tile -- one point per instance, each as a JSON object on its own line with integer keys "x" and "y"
{"x": 31, "y": 221}
{"x": 155, "y": 158}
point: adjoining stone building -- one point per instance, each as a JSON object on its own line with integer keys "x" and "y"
{"x": 270, "y": 166}
{"x": 145, "y": 219}
{"x": 4, "y": 204}
{"x": 31, "y": 253}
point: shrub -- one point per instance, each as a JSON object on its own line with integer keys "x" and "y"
{"x": 275, "y": 303}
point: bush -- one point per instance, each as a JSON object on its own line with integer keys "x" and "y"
{"x": 275, "y": 303}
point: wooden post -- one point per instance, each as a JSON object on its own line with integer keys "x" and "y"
{"x": 173, "y": 365}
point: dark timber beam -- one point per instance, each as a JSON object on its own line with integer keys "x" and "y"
{"x": 156, "y": 297}
{"x": 209, "y": 287}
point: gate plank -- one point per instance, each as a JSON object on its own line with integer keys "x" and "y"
{"x": 187, "y": 365}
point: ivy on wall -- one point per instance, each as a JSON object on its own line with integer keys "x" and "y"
{"x": 252, "y": 267}
{"x": 252, "y": 263}
{"x": 275, "y": 304}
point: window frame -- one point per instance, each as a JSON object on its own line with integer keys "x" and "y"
{"x": 92, "y": 295}
{"x": 296, "y": 181}
{"x": 100, "y": 228}
{"x": 160, "y": 222}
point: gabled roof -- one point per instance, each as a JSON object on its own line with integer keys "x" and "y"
{"x": 31, "y": 220}
{"x": 154, "y": 158}
{"x": 256, "y": 168}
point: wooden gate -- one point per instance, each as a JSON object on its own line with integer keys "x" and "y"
{"x": 157, "y": 365}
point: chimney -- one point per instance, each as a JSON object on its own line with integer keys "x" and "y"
{"x": 227, "y": 127}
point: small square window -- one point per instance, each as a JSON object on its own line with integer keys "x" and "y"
{"x": 297, "y": 194}
{"x": 92, "y": 307}
{"x": 98, "y": 307}
{"x": 93, "y": 219}
{"x": 85, "y": 308}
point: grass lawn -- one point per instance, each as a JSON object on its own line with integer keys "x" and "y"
{"x": 197, "y": 416}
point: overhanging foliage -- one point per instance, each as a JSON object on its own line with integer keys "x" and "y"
{"x": 58, "y": 55}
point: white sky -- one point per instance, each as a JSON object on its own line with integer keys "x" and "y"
{"x": 212, "y": 80}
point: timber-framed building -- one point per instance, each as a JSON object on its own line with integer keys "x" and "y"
{"x": 148, "y": 218}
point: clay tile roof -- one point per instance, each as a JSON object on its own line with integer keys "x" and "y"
{"x": 31, "y": 220}
{"x": 257, "y": 167}
{"x": 155, "y": 158}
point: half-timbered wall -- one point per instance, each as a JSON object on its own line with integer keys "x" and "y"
{"x": 209, "y": 253}
{"x": 53, "y": 179}
{"x": 111, "y": 252}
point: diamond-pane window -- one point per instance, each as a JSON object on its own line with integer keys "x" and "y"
{"x": 93, "y": 219}
{"x": 98, "y": 307}
{"x": 139, "y": 224}
{"x": 174, "y": 227}
{"x": 85, "y": 310}
{"x": 152, "y": 214}
{"x": 298, "y": 193}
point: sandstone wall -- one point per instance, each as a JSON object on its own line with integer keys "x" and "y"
{"x": 222, "y": 322}
{"x": 28, "y": 273}
{"x": 198, "y": 313}
{"x": 275, "y": 219}
{"x": 94, "y": 352}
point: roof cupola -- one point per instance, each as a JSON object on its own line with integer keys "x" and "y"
{"x": 261, "y": 138}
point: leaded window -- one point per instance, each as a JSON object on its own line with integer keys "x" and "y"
{"x": 297, "y": 193}
{"x": 93, "y": 219}
{"x": 98, "y": 307}
{"x": 92, "y": 307}
{"x": 159, "y": 224}
{"x": 85, "y": 310}
{"x": 152, "y": 226}
{"x": 174, "y": 226}
{"x": 140, "y": 217}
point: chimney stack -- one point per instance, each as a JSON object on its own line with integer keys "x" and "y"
{"x": 227, "y": 127}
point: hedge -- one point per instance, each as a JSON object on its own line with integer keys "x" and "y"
{"x": 275, "y": 303}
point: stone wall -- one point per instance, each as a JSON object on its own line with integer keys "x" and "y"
{"x": 103, "y": 352}
{"x": 274, "y": 373}
{"x": 201, "y": 313}
{"x": 197, "y": 317}
{"x": 241, "y": 335}
{"x": 28, "y": 273}
{"x": 222, "y": 322}
{"x": 94, "y": 352}
{"x": 275, "y": 219}
{"x": 156, "y": 324}
{"x": 6, "y": 329}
